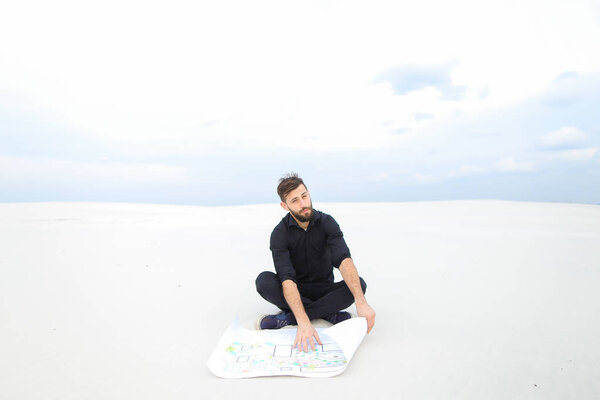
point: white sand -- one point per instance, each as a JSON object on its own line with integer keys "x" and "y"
{"x": 475, "y": 300}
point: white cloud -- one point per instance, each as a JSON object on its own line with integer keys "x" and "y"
{"x": 466, "y": 170}
{"x": 379, "y": 177}
{"x": 410, "y": 78}
{"x": 504, "y": 165}
{"x": 425, "y": 178}
{"x": 575, "y": 154}
{"x": 160, "y": 72}
{"x": 567, "y": 144}
{"x": 81, "y": 172}
{"x": 567, "y": 136}
{"x": 510, "y": 165}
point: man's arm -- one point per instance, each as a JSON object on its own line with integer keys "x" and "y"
{"x": 305, "y": 332}
{"x": 286, "y": 272}
{"x": 350, "y": 275}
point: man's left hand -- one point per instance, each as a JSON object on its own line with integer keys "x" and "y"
{"x": 365, "y": 310}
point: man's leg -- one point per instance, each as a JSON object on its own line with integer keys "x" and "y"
{"x": 269, "y": 287}
{"x": 328, "y": 300}
{"x": 333, "y": 299}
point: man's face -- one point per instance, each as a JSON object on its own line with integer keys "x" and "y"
{"x": 298, "y": 203}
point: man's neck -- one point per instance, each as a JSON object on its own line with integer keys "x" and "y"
{"x": 303, "y": 225}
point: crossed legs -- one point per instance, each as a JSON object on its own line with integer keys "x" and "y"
{"x": 319, "y": 301}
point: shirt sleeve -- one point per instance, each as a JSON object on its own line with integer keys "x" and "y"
{"x": 335, "y": 242}
{"x": 281, "y": 257}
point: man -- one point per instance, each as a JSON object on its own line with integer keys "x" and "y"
{"x": 306, "y": 245}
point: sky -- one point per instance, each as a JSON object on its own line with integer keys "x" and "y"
{"x": 210, "y": 103}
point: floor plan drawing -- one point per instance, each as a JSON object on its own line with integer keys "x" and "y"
{"x": 246, "y": 353}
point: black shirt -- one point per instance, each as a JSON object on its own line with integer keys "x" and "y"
{"x": 308, "y": 257}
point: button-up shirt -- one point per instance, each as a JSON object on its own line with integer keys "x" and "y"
{"x": 308, "y": 256}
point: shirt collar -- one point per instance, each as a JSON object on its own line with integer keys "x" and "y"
{"x": 292, "y": 222}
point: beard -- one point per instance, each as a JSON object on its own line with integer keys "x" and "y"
{"x": 304, "y": 217}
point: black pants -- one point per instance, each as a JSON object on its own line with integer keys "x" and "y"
{"x": 319, "y": 300}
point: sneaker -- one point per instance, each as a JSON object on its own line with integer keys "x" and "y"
{"x": 337, "y": 317}
{"x": 275, "y": 321}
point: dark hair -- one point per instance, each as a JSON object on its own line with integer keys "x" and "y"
{"x": 288, "y": 183}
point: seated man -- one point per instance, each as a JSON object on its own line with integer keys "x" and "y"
{"x": 306, "y": 245}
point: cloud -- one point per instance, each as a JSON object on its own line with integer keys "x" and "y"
{"x": 504, "y": 165}
{"x": 381, "y": 177}
{"x": 565, "y": 137}
{"x": 82, "y": 172}
{"x": 440, "y": 176}
{"x": 510, "y": 165}
{"x": 565, "y": 90}
{"x": 575, "y": 154}
{"x": 420, "y": 116}
{"x": 568, "y": 144}
{"x": 406, "y": 79}
{"x": 467, "y": 170}
{"x": 566, "y": 76}
{"x": 401, "y": 131}
{"x": 425, "y": 178}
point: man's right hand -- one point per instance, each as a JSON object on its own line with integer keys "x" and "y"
{"x": 306, "y": 336}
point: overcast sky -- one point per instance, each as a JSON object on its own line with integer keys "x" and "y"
{"x": 211, "y": 102}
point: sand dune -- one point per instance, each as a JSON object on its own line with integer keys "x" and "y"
{"x": 474, "y": 300}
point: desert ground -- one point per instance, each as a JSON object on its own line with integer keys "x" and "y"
{"x": 478, "y": 299}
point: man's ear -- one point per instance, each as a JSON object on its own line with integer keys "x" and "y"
{"x": 284, "y": 206}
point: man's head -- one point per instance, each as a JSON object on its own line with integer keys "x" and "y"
{"x": 295, "y": 197}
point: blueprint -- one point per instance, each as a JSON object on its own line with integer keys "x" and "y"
{"x": 244, "y": 353}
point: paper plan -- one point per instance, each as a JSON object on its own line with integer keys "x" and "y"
{"x": 244, "y": 353}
